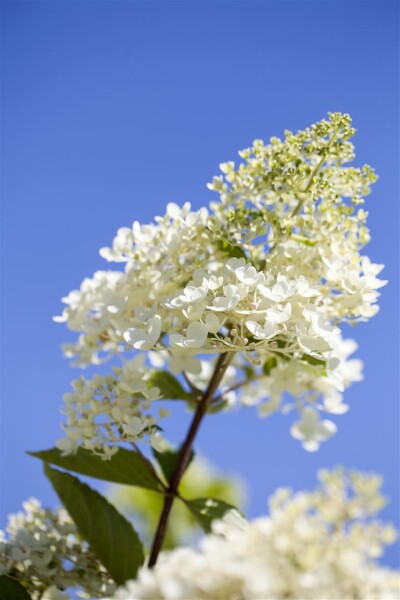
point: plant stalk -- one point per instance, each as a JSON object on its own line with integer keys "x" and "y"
{"x": 220, "y": 368}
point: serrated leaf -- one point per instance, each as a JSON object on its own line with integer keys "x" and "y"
{"x": 169, "y": 386}
{"x": 110, "y": 536}
{"x": 206, "y": 510}
{"x": 168, "y": 461}
{"x": 126, "y": 466}
{"x": 10, "y": 589}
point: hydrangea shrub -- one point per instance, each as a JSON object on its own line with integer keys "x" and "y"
{"x": 236, "y": 305}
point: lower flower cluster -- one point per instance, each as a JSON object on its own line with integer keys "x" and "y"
{"x": 44, "y": 552}
{"x": 106, "y": 410}
{"x": 313, "y": 546}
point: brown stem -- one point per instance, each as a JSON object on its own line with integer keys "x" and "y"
{"x": 184, "y": 457}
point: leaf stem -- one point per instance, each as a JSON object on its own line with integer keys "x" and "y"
{"x": 234, "y": 387}
{"x": 149, "y": 466}
{"x": 195, "y": 392}
{"x": 219, "y": 370}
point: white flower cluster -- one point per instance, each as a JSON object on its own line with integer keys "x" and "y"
{"x": 159, "y": 259}
{"x": 314, "y": 546}
{"x": 106, "y": 410}
{"x": 294, "y": 197}
{"x": 313, "y": 390}
{"x": 268, "y": 274}
{"x": 44, "y": 552}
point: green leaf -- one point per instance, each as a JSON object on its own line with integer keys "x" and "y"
{"x": 126, "y": 466}
{"x": 10, "y": 589}
{"x": 168, "y": 461}
{"x": 249, "y": 372}
{"x": 230, "y": 249}
{"x": 216, "y": 408}
{"x": 169, "y": 386}
{"x": 311, "y": 360}
{"x": 269, "y": 364}
{"x": 206, "y": 510}
{"x": 110, "y": 536}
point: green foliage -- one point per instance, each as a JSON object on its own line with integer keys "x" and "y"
{"x": 206, "y": 510}
{"x": 269, "y": 364}
{"x": 110, "y": 536}
{"x": 169, "y": 386}
{"x": 216, "y": 408}
{"x": 126, "y": 466}
{"x": 12, "y": 590}
{"x": 311, "y": 360}
{"x": 168, "y": 461}
{"x": 200, "y": 480}
{"x": 230, "y": 250}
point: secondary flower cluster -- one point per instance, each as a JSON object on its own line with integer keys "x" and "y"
{"x": 44, "y": 552}
{"x": 321, "y": 544}
{"x": 106, "y": 410}
{"x": 268, "y": 273}
{"x": 313, "y": 390}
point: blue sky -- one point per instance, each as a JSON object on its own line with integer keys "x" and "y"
{"x": 111, "y": 110}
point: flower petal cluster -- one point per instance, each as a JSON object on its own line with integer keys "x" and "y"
{"x": 236, "y": 307}
{"x": 43, "y": 551}
{"x": 108, "y": 409}
{"x": 290, "y": 209}
{"x": 268, "y": 273}
{"x": 313, "y": 545}
{"x": 295, "y": 207}
{"x": 314, "y": 385}
{"x": 159, "y": 258}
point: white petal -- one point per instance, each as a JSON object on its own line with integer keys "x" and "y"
{"x": 196, "y": 335}
{"x": 158, "y": 442}
{"x": 177, "y": 340}
{"x": 256, "y": 329}
{"x": 66, "y": 445}
{"x": 212, "y": 323}
{"x": 313, "y": 344}
{"x": 154, "y": 328}
{"x": 137, "y": 338}
{"x": 311, "y": 445}
{"x": 296, "y": 432}
{"x": 173, "y": 210}
{"x": 270, "y": 329}
{"x": 326, "y": 429}
{"x": 134, "y": 427}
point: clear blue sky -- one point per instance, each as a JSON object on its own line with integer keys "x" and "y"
{"x": 113, "y": 109}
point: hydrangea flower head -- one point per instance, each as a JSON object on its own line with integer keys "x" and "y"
{"x": 268, "y": 273}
